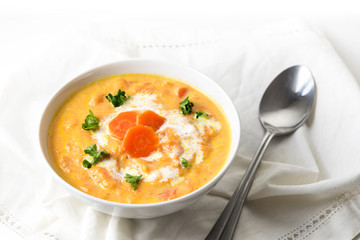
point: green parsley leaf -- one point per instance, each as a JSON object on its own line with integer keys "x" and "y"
{"x": 97, "y": 156}
{"x": 186, "y": 106}
{"x": 91, "y": 150}
{"x": 100, "y": 155}
{"x": 184, "y": 163}
{"x": 201, "y": 114}
{"x": 91, "y": 122}
{"x": 118, "y": 99}
{"x": 133, "y": 180}
{"x": 86, "y": 164}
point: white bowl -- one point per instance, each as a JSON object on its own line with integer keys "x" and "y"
{"x": 142, "y": 66}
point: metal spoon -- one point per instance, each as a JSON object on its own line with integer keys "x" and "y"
{"x": 284, "y": 107}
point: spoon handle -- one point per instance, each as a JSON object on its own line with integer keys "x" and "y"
{"x": 225, "y": 225}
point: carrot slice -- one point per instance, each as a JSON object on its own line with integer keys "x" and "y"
{"x": 121, "y": 124}
{"x": 140, "y": 141}
{"x": 182, "y": 91}
{"x": 151, "y": 119}
{"x": 168, "y": 194}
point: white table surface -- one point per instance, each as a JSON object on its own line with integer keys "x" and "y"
{"x": 26, "y": 27}
{"x": 25, "y": 35}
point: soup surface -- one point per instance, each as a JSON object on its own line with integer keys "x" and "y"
{"x": 139, "y": 138}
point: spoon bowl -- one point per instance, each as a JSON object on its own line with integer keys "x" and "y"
{"x": 286, "y": 104}
{"x": 284, "y": 107}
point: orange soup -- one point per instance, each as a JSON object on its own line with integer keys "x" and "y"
{"x": 139, "y": 138}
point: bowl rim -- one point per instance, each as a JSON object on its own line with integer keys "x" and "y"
{"x": 235, "y": 135}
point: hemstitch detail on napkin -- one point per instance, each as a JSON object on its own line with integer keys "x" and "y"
{"x": 9, "y": 220}
{"x": 162, "y": 45}
{"x": 319, "y": 219}
{"x": 215, "y": 39}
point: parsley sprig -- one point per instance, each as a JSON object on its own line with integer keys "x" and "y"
{"x": 133, "y": 180}
{"x": 91, "y": 122}
{"x": 184, "y": 163}
{"x": 118, "y": 99}
{"x": 186, "y": 106}
{"x": 201, "y": 114}
{"x": 97, "y": 156}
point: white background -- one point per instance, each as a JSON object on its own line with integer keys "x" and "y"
{"x": 27, "y": 27}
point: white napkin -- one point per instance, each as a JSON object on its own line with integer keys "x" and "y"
{"x": 307, "y": 186}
